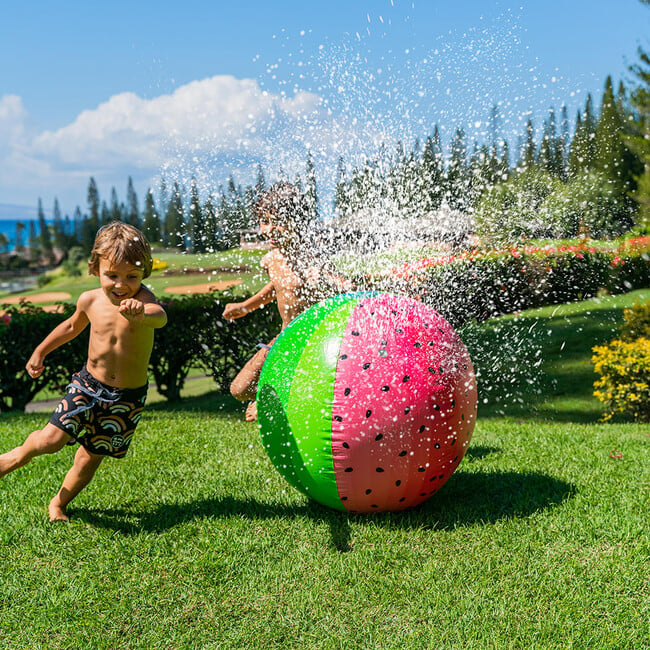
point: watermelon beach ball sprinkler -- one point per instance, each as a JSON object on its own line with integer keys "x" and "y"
{"x": 367, "y": 402}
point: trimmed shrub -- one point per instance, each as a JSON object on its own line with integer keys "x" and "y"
{"x": 22, "y": 328}
{"x": 624, "y": 383}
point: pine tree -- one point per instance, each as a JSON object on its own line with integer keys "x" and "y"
{"x": 116, "y": 213}
{"x": 150, "y": 219}
{"x": 34, "y": 250}
{"x": 432, "y": 172}
{"x": 195, "y": 222}
{"x": 527, "y": 157}
{"x": 211, "y": 227}
{"x": 132, "y": 211}
{"x": 93, "y": 205}
{"x": 174, "y": 220}
{"x": 457, "y": 178}
{"x": 639, "y": 138}
{"x": 45, "y": 237}
{"x": 60, "y": 239}
{"x": 311, "y": 194}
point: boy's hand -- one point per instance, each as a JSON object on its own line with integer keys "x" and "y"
{"x": 234, "y": 310}
{"x": 132, "y": 309}
{"x": 35, "y": 366}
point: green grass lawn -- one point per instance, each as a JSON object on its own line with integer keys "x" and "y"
{"x": 539, "y": 540}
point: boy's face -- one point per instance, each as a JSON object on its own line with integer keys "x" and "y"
{"x": 119, "y": 281}
{"x": 273, "y": 231}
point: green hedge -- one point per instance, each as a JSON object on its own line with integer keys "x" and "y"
{"x": 478, "y": 287}
{"x": 196, "y": 336}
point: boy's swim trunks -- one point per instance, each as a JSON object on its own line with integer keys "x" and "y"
{"x": 99, "y": 417}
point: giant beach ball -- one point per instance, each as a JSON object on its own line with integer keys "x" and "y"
{"x": 367, "y": 402}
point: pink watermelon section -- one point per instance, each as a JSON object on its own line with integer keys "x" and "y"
{"x": 404, "y": 405}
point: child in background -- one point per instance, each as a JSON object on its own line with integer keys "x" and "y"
{"x": 104, "y": 401}
{"x": 300, "y": 276}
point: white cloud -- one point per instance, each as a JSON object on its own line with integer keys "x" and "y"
{"x": 205, "y": 128}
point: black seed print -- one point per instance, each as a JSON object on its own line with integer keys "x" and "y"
{"x": 433, "y": 478}
{"x": 417, "y": 345}
{"x": 338, "y": 418}
{"x": 368, "y": 413}
{"x": 421, "y": 469}
{"x": 462, "y": 417}
{"x": 426, "y": 326}
{"x": 399, "y": 331}
{"x": 423, "y": 494}
{"x": 403, "y": 453}
{"x": 402, "y": 499}
{"x": 453, "y": 403}
{"x": 384, "y": 344}
{"x": 379, "y": 470}
{"x": 347, "y": 391}
{"x": 436, "y": 407}
{"x": 441, "y": 330}
{"x": 453, "y": 442}
{"x": 405, "y": 378}
{"x": 455, "y": 459}
{"x": 422, "y": 428}
{"x": 366, "y": 366}
{"x": 392, "y": 311}
{"x": 346, "y": 445}
{"x": 433, "y": 370}
{"x": 374, "y": 506}
{"x": 407, "y": 410}
{"x": 344, "y": 498}
{"x": 398, "y": 483}
{"x": 348, "y": 469}
{"x": 379, "y": 436}
{"x": 355, "y": 333}
{"x": 437, "y": 445}
{"x": 385, "y": 388}
{"x": 431, "y": 343}
{"x": 440, "y": 370}
{"x": 343, "y": 357}
{"x": 368, "y": 491}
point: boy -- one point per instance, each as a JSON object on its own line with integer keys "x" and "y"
{"x": 300, "y": 276}
{"x": 105, "y": 399}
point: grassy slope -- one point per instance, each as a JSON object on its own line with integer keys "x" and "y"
{"x": 540, "y": 539}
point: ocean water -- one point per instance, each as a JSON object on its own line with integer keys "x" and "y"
{"x": 8, "y": 229}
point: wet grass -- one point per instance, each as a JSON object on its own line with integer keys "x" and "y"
{"x": 538, "y": 540}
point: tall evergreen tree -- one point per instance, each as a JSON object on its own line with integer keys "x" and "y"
{"x": 175, "y": 220}
{"x": 639, "y": 139}
{"x": 528, "y": 156}
{"x": 432, "y": 171}
{"x": 195, "y": 221}
{"x": 116, "y": 212}
{"x": 60, "y": 239}
{"x": 93, "y": 204}
{"x": 311, "y": 193}
{"x": 132, "y": 210}
{"x": 458, "y": 179}
{"x": 211, "y": 226}
{"x": 150, "y": 219}
{"x": 45, "y": 237}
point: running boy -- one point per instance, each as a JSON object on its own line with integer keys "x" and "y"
{"x": 105, "y": 399}
{"x": 300, "y": 276}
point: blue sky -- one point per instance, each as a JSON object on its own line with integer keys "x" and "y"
{"x": 193, "y": 88}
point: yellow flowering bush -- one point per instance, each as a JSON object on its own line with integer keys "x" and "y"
{"x": 624, "y": 368}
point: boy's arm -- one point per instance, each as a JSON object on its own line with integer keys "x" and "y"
{"x": 144, "y": 309}
{"x": 62, "y": 333}
{"x": 238, "y": 309}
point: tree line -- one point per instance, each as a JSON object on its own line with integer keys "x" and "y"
{"x": 562, "y": 180}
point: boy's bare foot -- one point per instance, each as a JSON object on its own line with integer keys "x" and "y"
{"x": 57, "y": 513}
{"x": 251, "y": 412}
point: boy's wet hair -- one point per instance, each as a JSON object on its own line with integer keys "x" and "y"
{"x": 121, "y": 242}
{"x": 286, "y": 204}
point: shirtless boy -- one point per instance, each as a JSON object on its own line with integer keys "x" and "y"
{"x": 105, "y": 399}
{"x": 299, "y": 276}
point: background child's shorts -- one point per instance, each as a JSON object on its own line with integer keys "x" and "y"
{"x": 99, "y": 417}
